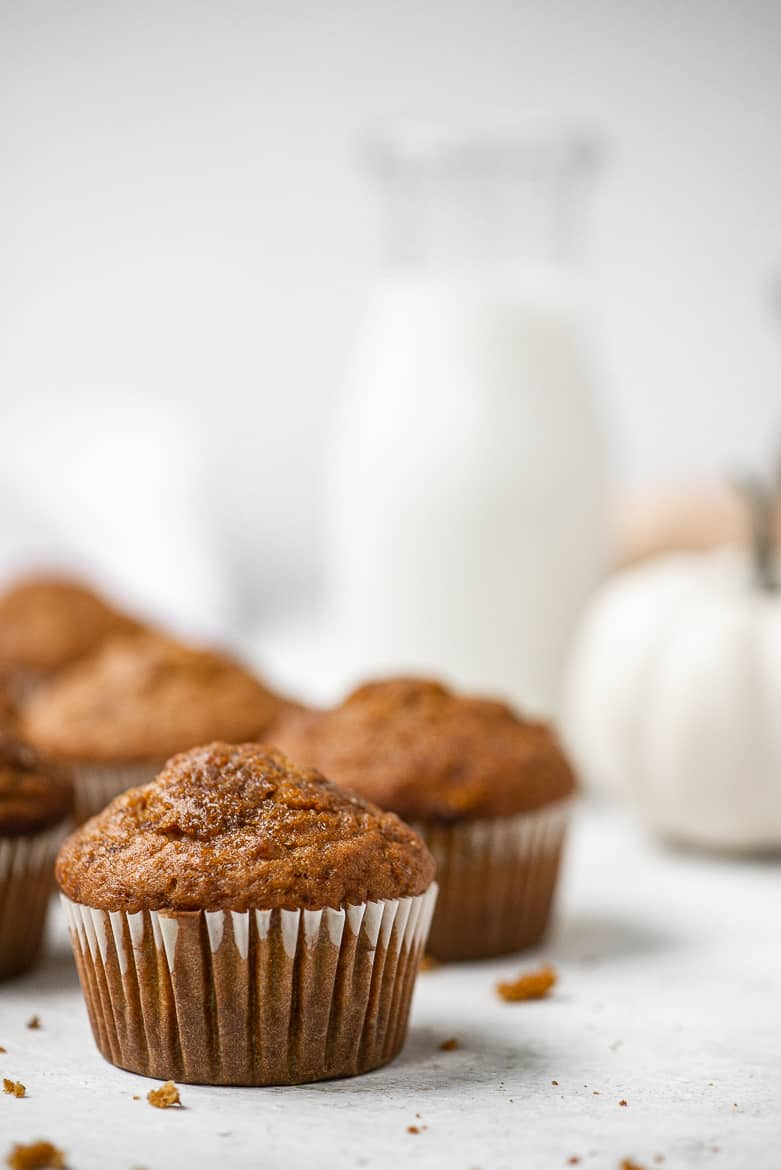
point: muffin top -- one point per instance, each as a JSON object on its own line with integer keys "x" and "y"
{"x": 414, "y": 747}
{"x": 143, "y": 697}
{"x": 238, "y": 827}
{"x": 48, "y": 622}
{"x": 33, "y": 794}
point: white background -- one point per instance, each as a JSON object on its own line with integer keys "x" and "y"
{"x": 186, "y": 245}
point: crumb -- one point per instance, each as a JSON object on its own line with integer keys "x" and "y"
{"x": 573, "y": 1161}
{"x": 36, "y": 1156}
{"x": 164, "y": 1097}
{"x": 2, "y": 1049}
{"x": 449, "y": 1045}
{"x": 628, "y": 1164}
{"x": 413, "y": 1129}
{"x": 595, "y": 1092}
{"x": 658, "y": 1158}
{"x": 530, "y": 985}
{"x": 136, "y": 1097}
{"x": 623, "y": 1103}
{"x": 33, "y": 1023}
{"x": 14, "y": 1088}
{"x": 554, "y": 1082}
{"x": 429, "y": 963}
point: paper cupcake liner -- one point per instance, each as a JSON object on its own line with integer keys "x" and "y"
{"x": 262, "y": 997}
{"x": 96, "y": 785}
{"x": 26, "y": 871}
{"x": 497, "y": 880}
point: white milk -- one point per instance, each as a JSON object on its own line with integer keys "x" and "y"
{"x": 467, "y": 510}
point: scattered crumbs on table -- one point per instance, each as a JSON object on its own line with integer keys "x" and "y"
{"x": 34, "y": 1023}
{"x": 429, "y": 963}
{"x": 41, "y": 1155}
{"x": 165, "y": 1097}
{"x": 413, "y": 1129}
{"x": 630, "y": 1164}
{"x": 528, "y": 985}
{"x": 623, "y": 1103}
{"x": 13, "y": 1088}
{"x": 449, "y": 1045}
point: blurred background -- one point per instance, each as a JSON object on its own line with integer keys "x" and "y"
{"x": 188, "y": 244}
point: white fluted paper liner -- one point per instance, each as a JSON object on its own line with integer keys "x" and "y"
{"x": 255, "y": 997}
{"x": 26, "y": 869}
{"x": 96, "y": 785}
{"x": 497, "y": 879}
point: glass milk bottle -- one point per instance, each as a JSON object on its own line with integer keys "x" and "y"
{"x": 467, "y": 512}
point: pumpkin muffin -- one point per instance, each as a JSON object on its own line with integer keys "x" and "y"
{"x": 116, "y": 716}
{"x": 47, "y": 623}
{"x": 35, "y": 805}
{"x": 243, "y": 921}
{"x": 488, "y": 791}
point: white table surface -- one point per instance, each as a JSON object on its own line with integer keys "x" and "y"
{"x": 668, "y": 997}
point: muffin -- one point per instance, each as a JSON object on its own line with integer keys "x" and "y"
{"x": 47, "y": 623}
{"x": 241, "y": 921}
{"x": 35, "y": 805}
{"x": 116, "y": 716}
{"x": 488, "y": 791}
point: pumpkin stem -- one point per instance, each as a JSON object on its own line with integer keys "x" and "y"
{"x": 761, "y": 502}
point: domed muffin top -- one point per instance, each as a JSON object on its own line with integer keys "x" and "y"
{"x": 428, "y": 754}
{"x": 240, "y": 827}
{"x": 144, "y": 697}
{"x": 48, "y": 622}
{"x": 34, "y": 795}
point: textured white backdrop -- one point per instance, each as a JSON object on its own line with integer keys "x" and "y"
{"x": 182, "y": 225}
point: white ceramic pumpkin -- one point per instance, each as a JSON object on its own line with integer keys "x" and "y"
{"x": 674, "y": 695}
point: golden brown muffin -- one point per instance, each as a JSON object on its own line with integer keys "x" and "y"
{"x": 35, "y": 802}
{"x": 48, "y": 622}
{"x": 275, "y": 921}
{"x": 117, "y": 715}
{"x": 232, "y": 827}
{"x": 487, "y": 789}
{"x": 34, "y": 795}
{"x": 428, "y": 754}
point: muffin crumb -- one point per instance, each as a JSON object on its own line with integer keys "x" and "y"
{"x": 34, "y": 1023}
{"x": 41, "y": 1155}
{"x": 630, "y": 1164}
{"x": 13, "y": 1088}
{"x": 3, "y": 1049}
{"x": 164, "y": 1097}
{"x": 623, "y": 1103}
{"x": 413, "y": 1129}
{"x": 528, "y": 985}
{"x": 554, "y": 1082}
{"x": 573, "y": 1160}
{"x": 449, "y": 1045}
